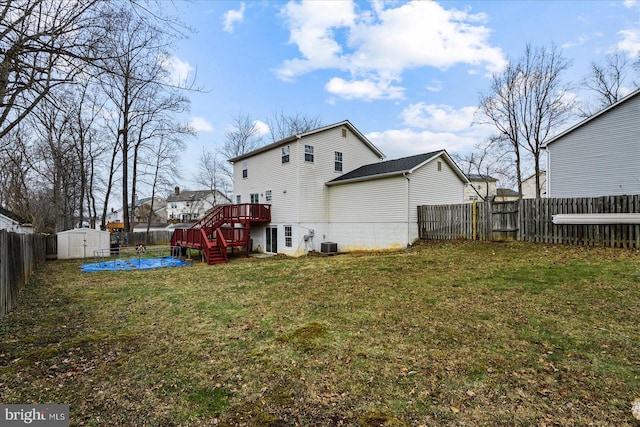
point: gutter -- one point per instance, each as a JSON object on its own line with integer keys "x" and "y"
{"x": 408, "y": 208}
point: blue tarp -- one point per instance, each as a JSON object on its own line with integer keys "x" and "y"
{"x": 133, "y": 264}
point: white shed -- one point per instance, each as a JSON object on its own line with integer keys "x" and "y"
{"x": 81, "y": 243}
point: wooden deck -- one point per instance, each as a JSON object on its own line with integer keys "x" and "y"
{"x": 222, "y": 227}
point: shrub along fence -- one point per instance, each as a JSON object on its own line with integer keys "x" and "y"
{"x": 20, "y": 254}
{"x": 531, "y": 220}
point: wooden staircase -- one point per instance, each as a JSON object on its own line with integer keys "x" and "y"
{"x": 222, "y": 227}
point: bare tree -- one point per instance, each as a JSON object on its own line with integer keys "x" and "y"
{"x": 490, "y": 158}
{"x": 609, "y": 81}
{"x": 211, "y": 174}
{"x": 138, "y": 91}
{"x": 527, "y": 102}
{"x": 43, "y": 44}
{"x": 282, "y": 125}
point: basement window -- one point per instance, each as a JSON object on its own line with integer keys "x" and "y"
{"x": 288, "y": 240}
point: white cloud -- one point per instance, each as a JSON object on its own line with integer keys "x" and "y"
{"x": 376, "y": 46}
{"x": 408, "y": 142}
{"x": 263, "y": 128}
{"x": 200, "y": 124}
{"x": 630, "y": 42}
{"x": 630, "y": 3}
{"x": 438, "y": 117}
{"x": 430, "y": 128}
{"x": 434, "y": 86}
{"x": 232, "y": 17}
{"x": 364, "y": 89}
{"x": 180, "y": 72}
{"x": 581, "y": 40}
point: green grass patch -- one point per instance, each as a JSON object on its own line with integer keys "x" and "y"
{"x": 456, "y": 333}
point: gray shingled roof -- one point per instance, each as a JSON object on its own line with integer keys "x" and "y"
{"x": 389, "y": 167}
{"x": 483, "y": 178}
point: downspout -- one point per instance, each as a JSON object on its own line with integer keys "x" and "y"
{"x": 408, "y": 208}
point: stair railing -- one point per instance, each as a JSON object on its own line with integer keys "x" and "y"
{"x": 222, "y": 243}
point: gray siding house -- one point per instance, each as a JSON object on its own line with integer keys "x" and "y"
{"x": 599, "y": 156}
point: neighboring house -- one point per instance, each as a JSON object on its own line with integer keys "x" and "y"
{"x": 115, "y": 221}
{"x": 480, "y": 187}
{"x": 190, "y": 206}
{"x": 313, "y": 200}
{"x": 506, "y": 195}
{"x": 600, "y": 156}
{"x": 14, "y": 223}
{"x": 529, "y": 186}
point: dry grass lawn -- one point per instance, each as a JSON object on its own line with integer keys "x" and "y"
{"x": 445, "y": 334}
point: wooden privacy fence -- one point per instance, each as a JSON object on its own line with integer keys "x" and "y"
{"x": 158, "y": 237}
{"x": 531, "y": 220}
{"x": 20, "y": 254}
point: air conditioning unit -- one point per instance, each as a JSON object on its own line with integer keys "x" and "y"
{"x": 329, "y": 248}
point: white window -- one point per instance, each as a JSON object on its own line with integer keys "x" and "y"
{"x": 267, "y": 195}
{"x": 174, "y": 205}
{"x": 238, "y": 198}
{"x": 255, "y": 198}
{"x": 308, "y": 153}
{"x": 344, "y": 132}
{"x": 338, "y": 161}
{"x": 285, "y": 154}
{"x": 245, "y": 172}
{"x": 288, "y": 241}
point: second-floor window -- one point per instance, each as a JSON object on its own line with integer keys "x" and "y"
{"x": 285, "y": 154}
{"x": 338, "y": 161}
{"x": 267, "y": 195}
{"x": 308, "y": 153}
{"x": 245, "y": 172}
{"x": 174, "y": 205}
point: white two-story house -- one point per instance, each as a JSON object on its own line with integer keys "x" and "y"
{"x": 332, "y": 185}
{"x": 190, "y": 206}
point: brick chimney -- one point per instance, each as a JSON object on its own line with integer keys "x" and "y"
{"x": 176, "y": 191}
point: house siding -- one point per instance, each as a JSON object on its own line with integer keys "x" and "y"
{"x": 299, "y": 194}
{"x": 382, "y": 213}
{"x": 430, "y": 186}
{"x": 297, "y": 187}
{"x": 599, "y": 158}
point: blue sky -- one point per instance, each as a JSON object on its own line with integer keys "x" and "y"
{"x": 406, "y": 74}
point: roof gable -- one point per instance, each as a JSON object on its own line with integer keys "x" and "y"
{"x": 292, "y": 138}
{"x": 590, "y": 118}
{"x": 395, "y": 167}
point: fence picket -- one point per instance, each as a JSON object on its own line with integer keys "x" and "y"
{"x": 532, "y": 220}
